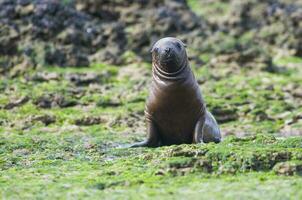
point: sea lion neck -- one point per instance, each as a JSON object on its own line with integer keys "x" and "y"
{"x": 161, "y": 74}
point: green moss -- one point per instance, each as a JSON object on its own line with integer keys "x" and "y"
{"x": 46, "y": 168}
{"x": 63, "y": 160}
{"x": 208, "y": 8}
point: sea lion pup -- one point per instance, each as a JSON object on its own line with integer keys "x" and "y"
{"x": 175, "y": 110}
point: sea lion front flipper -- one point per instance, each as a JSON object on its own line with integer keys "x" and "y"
{"x": 153, "y": 136}
{"x": 210, "y": 129}
{"x": 207, "y": 130}
{"x": 197, "y": 137}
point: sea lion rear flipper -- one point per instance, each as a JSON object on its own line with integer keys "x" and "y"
{"x": 153, "y": 137}
{"x": 207, "y": 130}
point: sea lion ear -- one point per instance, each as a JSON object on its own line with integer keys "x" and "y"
{"x": 153, "y": 46}
{"x": 152, "y": 49}
{"x": 183, "y": 44}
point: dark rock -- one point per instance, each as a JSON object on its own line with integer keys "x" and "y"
{"x": 16, "y": 103}
{"x": 54, "y": 100}
{"x": 224, "y": 115}
{"x": 80, "y": 79}
{"x": 63, "y": 102}
{"x": 45, "y": 119}
{"x": 49, "y": 21}
{"x": 44, "y": 102}
{"x": 90, "y": 31}
{"x": 289, "y": 168}
{"x": 45, "y": 76}
{"x": 55, "y": 57}
{"x": 52, "y": 32}
{"x": 272, "y": 21}
{"x": 298, "y": 93}
{"x": 8, "y": 39}
{"x": 109, "y": 103}
{"x": 89, "y": 120}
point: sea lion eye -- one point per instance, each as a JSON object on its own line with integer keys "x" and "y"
{"x": 178, "y": 45}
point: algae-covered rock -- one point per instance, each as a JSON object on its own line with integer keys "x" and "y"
{"x": 289, "y": 168}
{"x": 80, "y": 32}
{"x": 54, "y": 100}
{"x": 96, "y": 31}
{"x": 15, "y": 103}
{"x": 88, "y": 120}
{"x": 234, "y": 155}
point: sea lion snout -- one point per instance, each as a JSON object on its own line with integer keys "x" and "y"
{"x": 168, "y": 54}
{"x": 162, "y": 53}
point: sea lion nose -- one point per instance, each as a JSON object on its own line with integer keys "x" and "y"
{"x": 167, "y": 50}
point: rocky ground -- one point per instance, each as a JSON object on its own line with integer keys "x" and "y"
{"x": 72, "y": 96}
{"x": 33, "y": 33}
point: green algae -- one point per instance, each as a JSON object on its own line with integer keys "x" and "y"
{"x": 89, "y": 172}
{"x": 63, "y": 160}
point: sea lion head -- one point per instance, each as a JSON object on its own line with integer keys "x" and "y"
{"x": 169, "y": 54}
